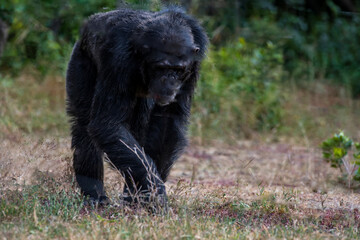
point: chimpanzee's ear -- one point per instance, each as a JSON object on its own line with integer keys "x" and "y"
{"x": 196, "y": 49}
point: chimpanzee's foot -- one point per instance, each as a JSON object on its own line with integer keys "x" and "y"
{"x": 154, "y": 202}
{"x": 101, "y": 201}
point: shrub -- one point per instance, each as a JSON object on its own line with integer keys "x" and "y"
{"x": 239, "y": 89}
{"x": 335, "y": 151}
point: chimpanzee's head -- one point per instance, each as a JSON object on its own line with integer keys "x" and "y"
{"x": 168, "y": 52}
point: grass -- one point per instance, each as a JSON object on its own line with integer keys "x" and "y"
{"x": 249, "y": 189}
{"x": 45, "y": 212}
{"x": 32, "y": 106}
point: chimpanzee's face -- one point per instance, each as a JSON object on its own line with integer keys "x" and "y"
{"x": 165, "y": 83}
{"x": 168, "y": 67}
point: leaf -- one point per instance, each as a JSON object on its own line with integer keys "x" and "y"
{"x": 326, "y": 155}
{"x": 339, "y": 152}
{"x": 356, "y": 155}
{"x": 357, "y": 175}
{"x": 357, "y": 145}
{"x": 325, "y": 144}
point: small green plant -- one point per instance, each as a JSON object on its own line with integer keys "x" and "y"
{"x": 335, "y": 151}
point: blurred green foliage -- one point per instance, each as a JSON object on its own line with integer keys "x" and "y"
{"x": 239, "y": 87}
{"x": 319, "y": 40}
{"x": 324, "y": 49}
{"x": 42, "y": 32}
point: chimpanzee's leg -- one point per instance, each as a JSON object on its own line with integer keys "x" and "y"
{"x": 88, "y": 165}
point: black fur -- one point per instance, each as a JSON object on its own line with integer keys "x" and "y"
{"x": 129, "y": 85}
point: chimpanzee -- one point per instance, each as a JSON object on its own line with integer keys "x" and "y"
{"x": 129, "y": 85}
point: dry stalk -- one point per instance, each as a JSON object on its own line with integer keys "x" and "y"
{"x": 152, "y": 176}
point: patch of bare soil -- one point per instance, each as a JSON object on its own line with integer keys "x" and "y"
{"x": 295, "y": 175}
{"x": 250, "y": 168}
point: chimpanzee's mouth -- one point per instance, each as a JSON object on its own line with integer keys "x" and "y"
{"x": 163, "y": 100}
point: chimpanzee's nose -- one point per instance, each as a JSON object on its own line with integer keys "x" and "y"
{"x": 174, "y": 83}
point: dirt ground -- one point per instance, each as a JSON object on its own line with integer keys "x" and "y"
{"x": 245, "y": 170}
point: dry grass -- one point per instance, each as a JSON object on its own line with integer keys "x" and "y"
{"x": 248, "y": 190}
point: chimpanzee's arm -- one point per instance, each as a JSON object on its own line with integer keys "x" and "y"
{"x": 166, "y": 137}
